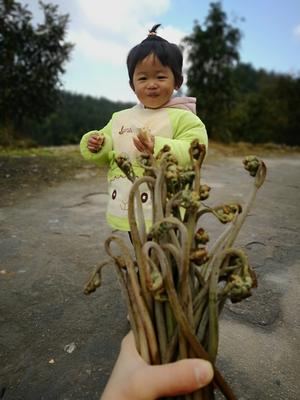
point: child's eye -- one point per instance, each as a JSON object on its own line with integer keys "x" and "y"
{"x": 142, "y": 78}
{"x": 162, "y": 77}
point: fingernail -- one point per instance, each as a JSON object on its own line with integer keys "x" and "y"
{"x": 204, "y": 373}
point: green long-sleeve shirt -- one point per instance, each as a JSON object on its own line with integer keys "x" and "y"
{"x": 172, "y": 126}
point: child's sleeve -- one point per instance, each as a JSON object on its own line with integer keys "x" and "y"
{"x": 186, "y": 127}
{"x": 103, "y": 155}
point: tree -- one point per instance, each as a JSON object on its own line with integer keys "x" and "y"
{"x": 267, "y": 107}
{"x": 32, "y": 59}
{"x": 212, "y": 55}
{"x": 282, "y": 114}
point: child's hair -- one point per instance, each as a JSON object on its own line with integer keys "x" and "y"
{"x": 167, "y": 53}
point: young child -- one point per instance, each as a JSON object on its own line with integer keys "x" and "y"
{"x": 155, "y": 71}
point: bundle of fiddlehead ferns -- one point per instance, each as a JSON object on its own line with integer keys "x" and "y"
{"x": 175, "y": 288}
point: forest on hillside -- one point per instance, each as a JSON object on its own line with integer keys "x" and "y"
{"x": 75, "y": 115}
{"x": 266, "y": 109}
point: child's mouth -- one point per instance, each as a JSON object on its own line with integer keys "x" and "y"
{"x": 153, "y": 95}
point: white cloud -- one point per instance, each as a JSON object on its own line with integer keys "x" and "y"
{"x": 100, "y": 49}
{"x": 171, "y": 34}
{"x": 108, "y": 30}
{"x": 121, "y": 16}
{"x": 296, "y": 32}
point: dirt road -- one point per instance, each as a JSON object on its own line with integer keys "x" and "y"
{"x": 57, "y": 343}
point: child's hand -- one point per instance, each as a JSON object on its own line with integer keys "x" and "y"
{"x": 95, "y": 143}
{"x": 144, "y": 141}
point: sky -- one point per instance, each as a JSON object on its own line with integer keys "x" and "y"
{"x": 104, "y": 31}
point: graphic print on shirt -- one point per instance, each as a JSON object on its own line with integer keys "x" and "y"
{"x": 119, "y": 189}
{"x": 128, "y": 124}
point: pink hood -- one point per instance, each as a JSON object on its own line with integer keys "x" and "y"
{"x": 185, "y": 103}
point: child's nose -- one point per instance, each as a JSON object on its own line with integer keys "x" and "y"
{"x": 152, "y": 84}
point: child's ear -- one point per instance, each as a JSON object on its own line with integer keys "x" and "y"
{"x": 178, "y": 83}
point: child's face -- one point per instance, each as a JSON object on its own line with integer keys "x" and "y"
{"x": 153, "y": 83}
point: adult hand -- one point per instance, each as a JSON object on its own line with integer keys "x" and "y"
{"x": 133, "y": 379}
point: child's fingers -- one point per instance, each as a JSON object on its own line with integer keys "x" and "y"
{"x": 143, "y": 147}
{"x": 97, "y": 138}
{"x": 100, "y": 140}
{"x": 147, "y": 141}
{"x": 143, "y": 138}
{"x": 94, "y": 140}
{"x": 93, "y": 149}
{"x": 138, "y": 144}
{"x": 92, "y": 143}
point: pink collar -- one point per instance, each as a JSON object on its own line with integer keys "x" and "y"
{"x": 184, "y": 103}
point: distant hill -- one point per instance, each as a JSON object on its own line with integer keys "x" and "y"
{"x": 266, "y": 109}
{"x": 75, "y": 115}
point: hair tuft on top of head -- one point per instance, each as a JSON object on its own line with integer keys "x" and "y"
{"x": 152, "y": 31}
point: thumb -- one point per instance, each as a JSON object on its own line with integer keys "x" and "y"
{"x": 181, "y": 377}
